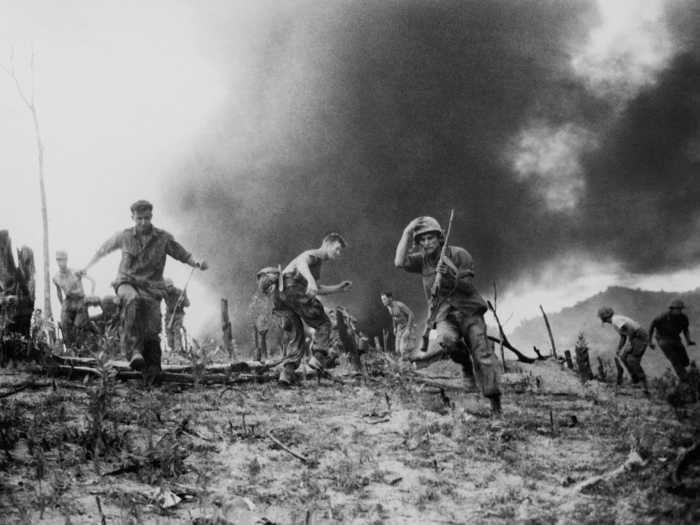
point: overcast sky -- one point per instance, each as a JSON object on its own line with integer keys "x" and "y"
{"x": 565, "y": 135}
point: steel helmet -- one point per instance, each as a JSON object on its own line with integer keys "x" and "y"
{"x": 604, "y": 312}
{"x": 267, "y": 270}
{"x": 677, "y": 303}
{"x": 427, "y": 225}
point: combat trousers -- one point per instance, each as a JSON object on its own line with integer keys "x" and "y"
{"x": 141, "y": 324}
{"x": 676, "y": 353}
{"x": 631, "y": 355}
{"x": 173, "y": 331}
{"x": 299, "y": 308}
{"x": 404, "y": 339}
{"x": 74, "y": 318}
{"x": 463, "y": 337}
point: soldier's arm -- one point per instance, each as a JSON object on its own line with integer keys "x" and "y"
{"x": 178, "y": 252}
{"x": 110, "y": 245}
{"x": 59, "y": 293}
{"x": 686, "y": 333}
{"x": 463, "y": 279}
{"x": 327, "y": 289}
{"x": 401, "y": 257}
{"x": 621, "y": 342}
{"x": 652, "y": 327}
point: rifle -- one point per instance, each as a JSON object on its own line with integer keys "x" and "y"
{"x": 434, "y": 299}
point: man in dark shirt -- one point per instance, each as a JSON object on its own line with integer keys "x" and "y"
{"x": 139, "y": 283}
{"x": 299, "y": 298}
{"x": 668, "y": 327}
{"x": 459, "y": 320}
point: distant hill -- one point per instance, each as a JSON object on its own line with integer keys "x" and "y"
{"x": 640, "y": 305}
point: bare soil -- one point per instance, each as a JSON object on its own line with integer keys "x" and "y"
{"x": 386, "y": 450}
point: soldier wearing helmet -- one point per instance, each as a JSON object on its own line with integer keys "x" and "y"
{"x": 632, "y": 345}
{"x": 460, "y": 330}
{"x": 668, "y": 328}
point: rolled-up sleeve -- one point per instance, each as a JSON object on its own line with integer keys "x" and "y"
{"x": 177, "y": 251}
{"x": 110, "y": 245}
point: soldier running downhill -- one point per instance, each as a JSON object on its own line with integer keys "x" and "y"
{"x": 71, "y": 296}
{"x": 299, "y": 298}
{"x": 633, "y": 343}
{"x": 139, "y": 283}
{"x": 668, "y": 327}
{"x": 459, "y": 319}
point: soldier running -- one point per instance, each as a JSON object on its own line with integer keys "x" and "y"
{"x": 459, "y": 320}
{"x": 668, "y": 327}
{"x": 139, "y": 283}
{"x": 299, "y": 298}
{"x": 176, "y": 301}
{"x": 402, "y": 323}
{"x": 632, "y": 345}
{"x": 71, "y": 295}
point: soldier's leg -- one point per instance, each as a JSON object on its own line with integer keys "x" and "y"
{"x": 296, "y": 347}
{"x": 675, "y": 352}
{"x": 81, "y": 322}
{"x": 151, "y": 326}
{"x": 633, "y": 359}
{"x": 67, "y": 323}
{"x": 486, "y": 367}
{"x": 175, "y": 333}
{"x": 312, "y": 313}
{"x": 131, "y": 337}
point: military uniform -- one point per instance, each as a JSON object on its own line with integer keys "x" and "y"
{"x": 140, "y": 288}
{"x": 174, "y": 317}
{"x": 460, "y": 316}
{"x": 404, "y": 335}
{"x": 636, "y": 341}
{"x": 74, "y": 313}
{"x": 668, "y": 328}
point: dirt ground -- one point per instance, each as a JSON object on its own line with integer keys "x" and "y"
{"x": 385, "y": 450}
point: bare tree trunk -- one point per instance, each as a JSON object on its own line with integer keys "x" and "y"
{"x": 549, "y": 331}
{"x": 31, "y": 106}
{"x": 226, "y": 334}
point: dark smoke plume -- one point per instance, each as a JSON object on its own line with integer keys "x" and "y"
{"x": 356, "y": 117}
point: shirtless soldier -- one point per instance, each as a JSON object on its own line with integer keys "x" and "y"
{"x": 299, "y": 298}
{"x": 459, "y": 320}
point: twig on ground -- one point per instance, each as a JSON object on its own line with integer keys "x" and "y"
{"x": 287, "y": 449}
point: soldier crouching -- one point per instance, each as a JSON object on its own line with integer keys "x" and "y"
{"x": 460, "y": 330}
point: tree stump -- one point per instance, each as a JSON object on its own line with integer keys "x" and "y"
{"x": 348, "y": 341}
{"x": 583, "y": 363}
{"x": 569, "y": 361}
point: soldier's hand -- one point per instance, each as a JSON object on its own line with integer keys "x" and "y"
{"x": 345, "y": 286}
{"x": 311, "y": 290}
{"x": 411, "y": 226}
{"x": 202, "y": 265}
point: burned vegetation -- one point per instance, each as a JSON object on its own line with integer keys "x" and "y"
{"x": 215, "y": 439}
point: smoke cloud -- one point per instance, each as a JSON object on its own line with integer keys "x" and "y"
{"x": 356, "y": 117}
